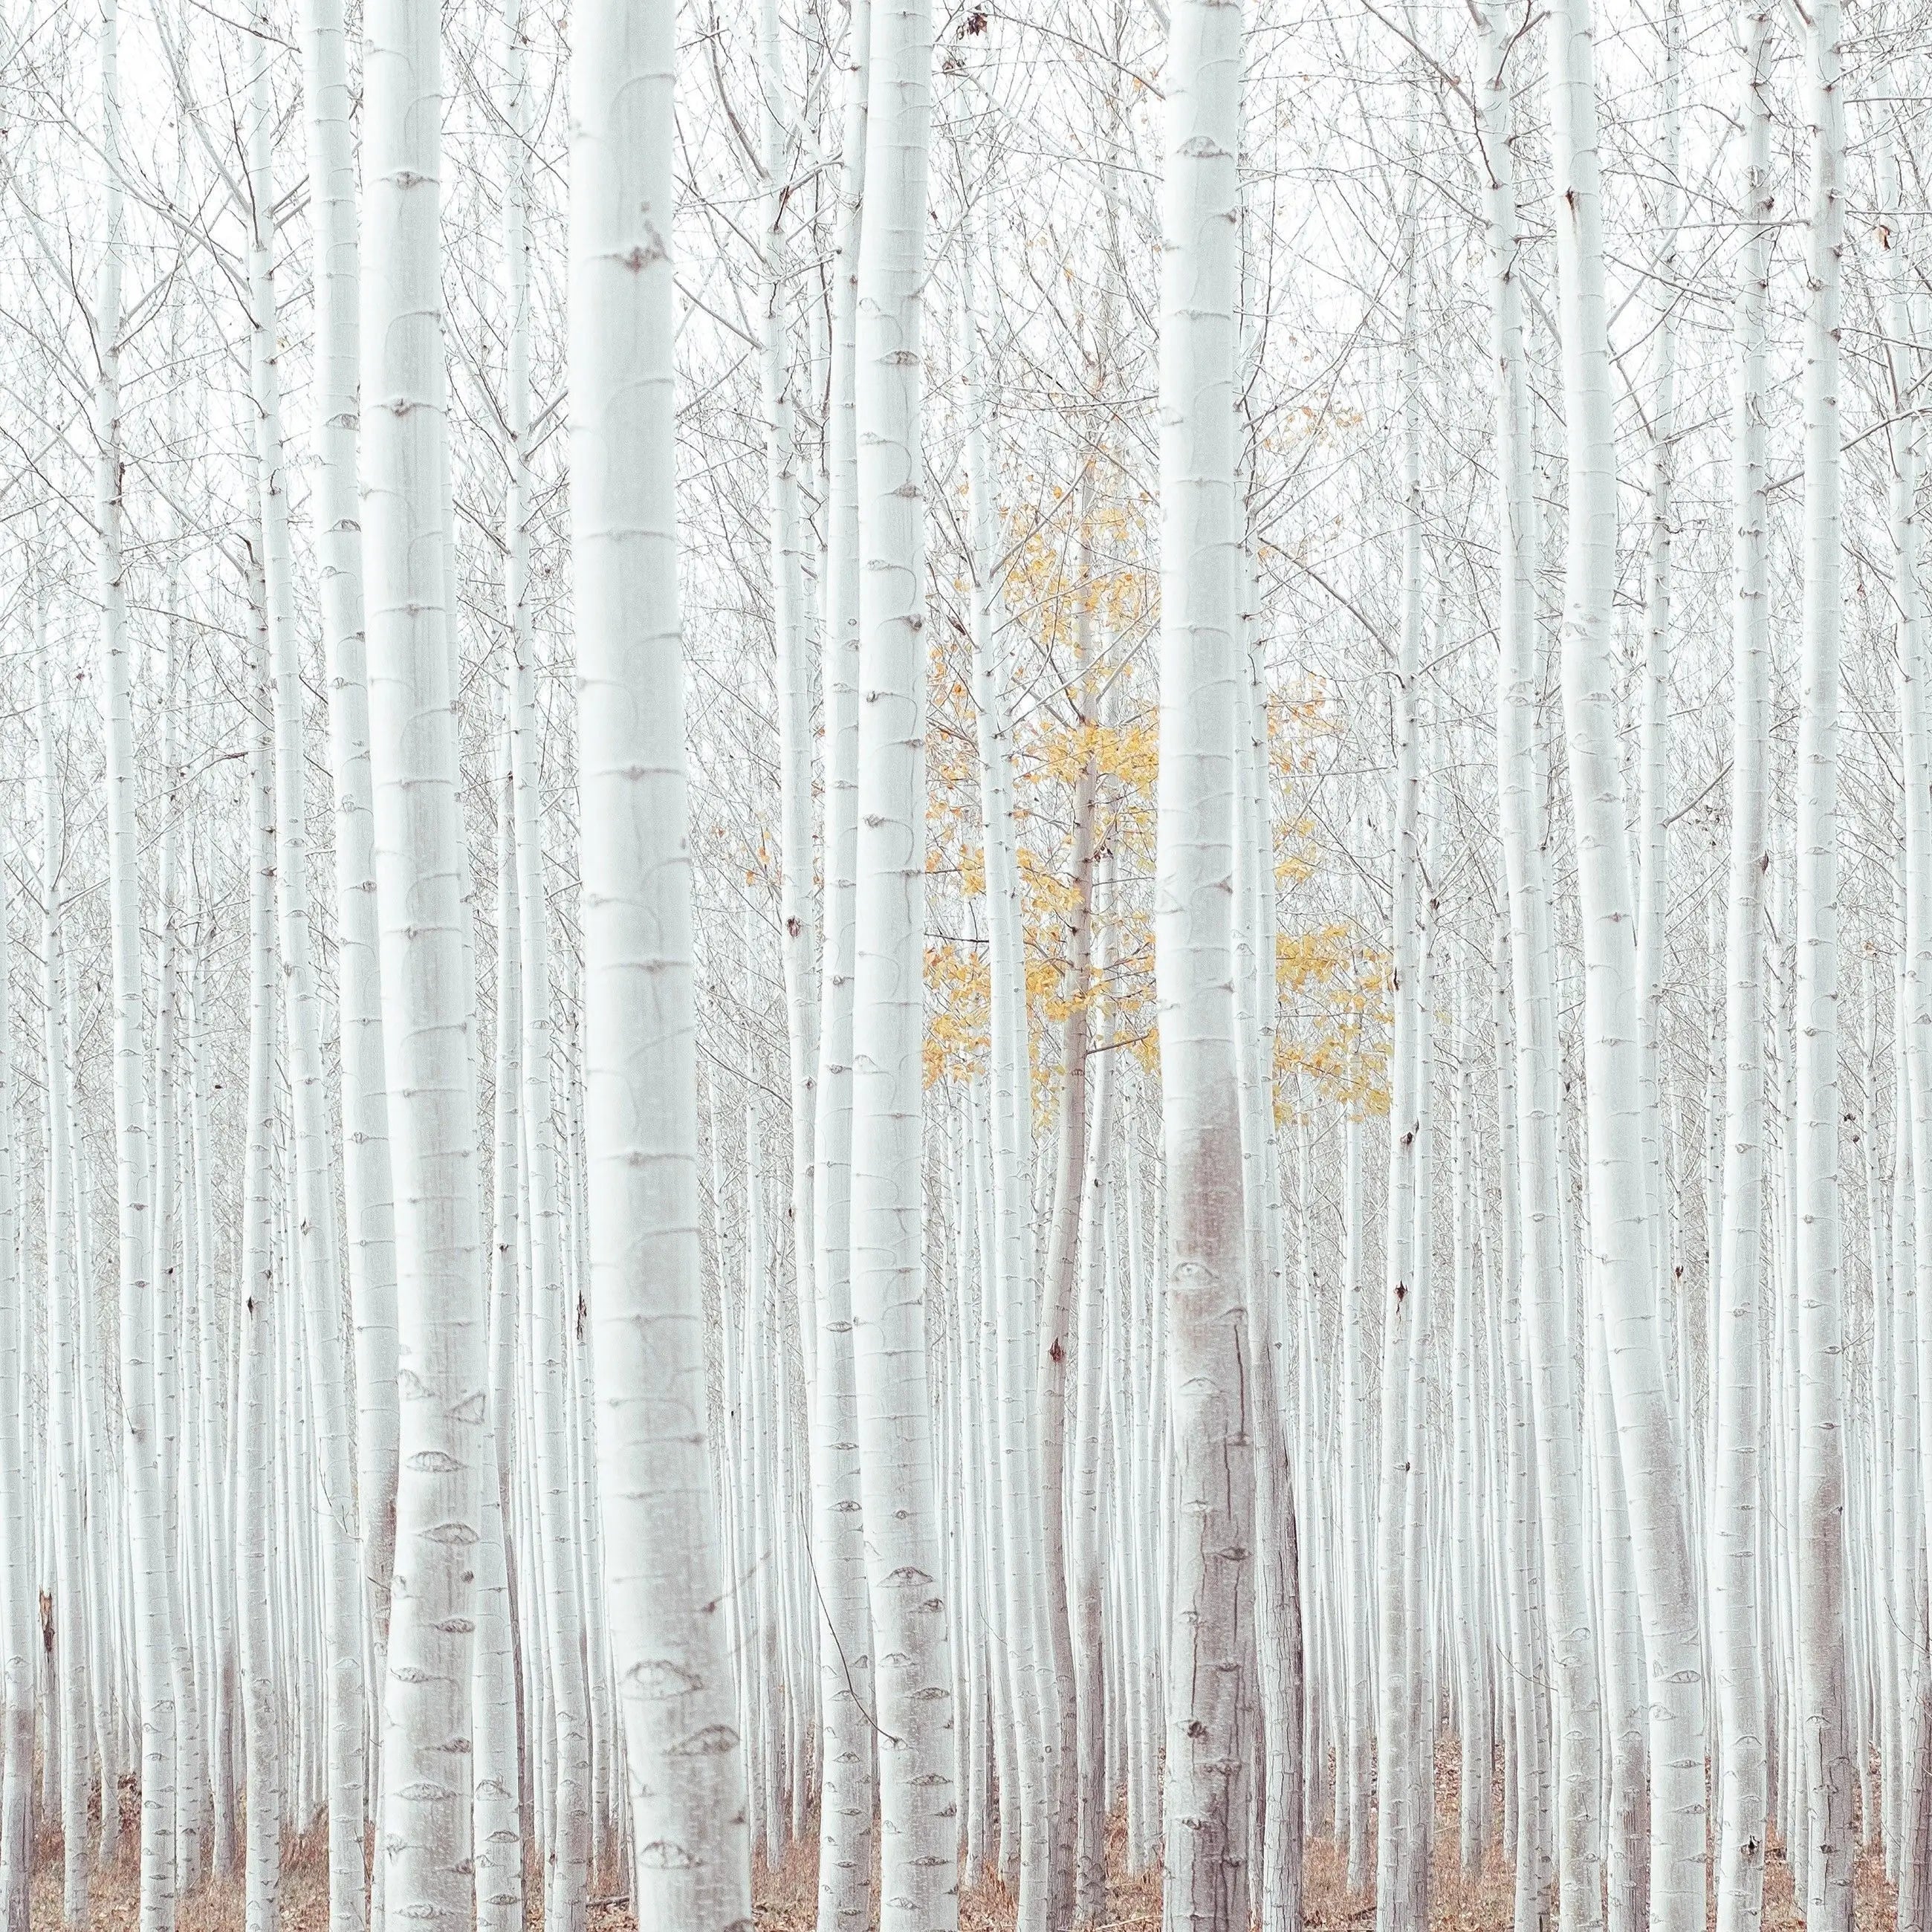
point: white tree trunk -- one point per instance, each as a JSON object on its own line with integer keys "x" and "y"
{"x": 262, "y": 1526}
{"x": 1026, "y": 1659}
{"x": 367, "y": 1190}
{"x": 1737, "y": 1647}
{"x": 568, "y": 1800}
{"x": 1402, "y": 1875}
{"x": 19, "y": 1637}
{"x": 663, "y": 1577}
{"x": 845, "y": 1626}
{"x": 798, "y": 941}
{"x": 1577, "y": 1695}
{"x": 1621, "y": 1253}
{"x": 1209, "y": 1745}
{"x": 67, "y": 1736}
{"x": 1823, "y": 1716}
{"x": 151, "y": 1557}
{"x": 421, "y": 873}
{"x": 918, "y": 1768}
{"x": 314, "y": 1179}
{"x": 1278, "y": 1606}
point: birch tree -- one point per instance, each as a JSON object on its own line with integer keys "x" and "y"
{"x": 917, "y": 1761}
{"x": 421, "y": 867}
{"x": 691, "y": 1861}
{"x": 843, "y": 1628}
{"x": 1620, "y": 1278}
{"x": 1205, "y": 1287}
{"x": 1736, "y": 1638}
{"x": 1817, "y": 1260}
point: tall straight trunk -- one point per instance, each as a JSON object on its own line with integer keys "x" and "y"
{"x": 798, "y": 921}
{"x": 1354, "y": 1773}
{"x": 1402, "y": 1875}
{"x": 152, "y": 1558}
{"x": 1465, "y": 1494}
{"x": 500, "y": 1791}
{"x": 1577, "y": 1692}
{"x": 1653, "y": 839}
{"x": 1621, "y": 1279}
{"x": 1026, "y": 1658}
{"x": 367, "y": 1190}
{"x": 1824, "y": 1717}
{"x": 1620, "y": 1642}
{"x": 258, "y": 1516}
{"x": 1737, "y": 1643}
{"x": 173, "y": 1231}
{"x": 1086, "y": 1570}
{"x": 1054, "y": 1345}
{"x": 918, "y": 1769}
{"x": 67, "y": 1737}
{"x": 663, "y": 1579}
{"x": 421, "y": 876}
{"x": 213, "y": 1430}
{"x": 18, "y": 1636}
{"x": 1278, "y": 1606}
{"x": 1210, "y": 1380}
{"x": 838, "y": 1552}
{"x": 566, "y": 1890}
{"x": 314, "y": 1180}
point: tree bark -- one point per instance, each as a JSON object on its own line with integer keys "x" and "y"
{"x": 664, "y": 1576}
{"x": 1210, "y": 1388}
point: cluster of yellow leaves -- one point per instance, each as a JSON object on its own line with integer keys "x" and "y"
{"x": 1333, "y": 1031}
{"x": 958, "y": 1000}
{"x": 1070, "y": 573}
{"x": 1048, "y": 590}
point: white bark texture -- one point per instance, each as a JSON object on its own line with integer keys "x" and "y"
{"x": 421, "y": 878}
{"x": 1824, "y": 1714}
{"x": 1735, "y": 1558}
{"x": 844, "y": 1626}
{"x": 918, "y": 1773}
{"x": 1537, "y": 1167}
{"x": 1621, "y": 1254}
{"x": 1210, "y": 1626}
{"x": 691, "y": 1854}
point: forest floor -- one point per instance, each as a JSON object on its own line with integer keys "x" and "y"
{"x": 786, "y": 1894}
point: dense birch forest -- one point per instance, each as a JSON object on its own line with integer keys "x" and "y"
{"x": 965, "y": 966}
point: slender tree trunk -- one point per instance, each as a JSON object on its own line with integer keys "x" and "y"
{"x": 18, "y": 1634}
{"x": 1278, "y": 1607}
{"x": 367, "y": 1187}
{"x": 314, "y": 1180}
{"x": 918, "y": 1768}
{"x": 663, "y": 1577}
{"x": 259, "y": 1520}
{"x": 1577, "y": 1692}
{"x": 422, "y": 878}
{"x": 567, "y": 1866}
{"x": 844, "y": 1625}
{"x": 1210, "y": 1384}
{"x": 1737, "y": 1647}
{"x": 1061, "y": 1310}
{"x": 1824, "y": 1717}
{"x": 1027, "y": 1660}
{"x": 68, "y": 1734}
{"x": 1621, "y": 1255}
{"x": 151, "y": 1557}
{"x": 1403, "y": 1817}
{"x": 798, "y": 944}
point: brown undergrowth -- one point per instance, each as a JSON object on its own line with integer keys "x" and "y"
{"x": 786, "y": 1898}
